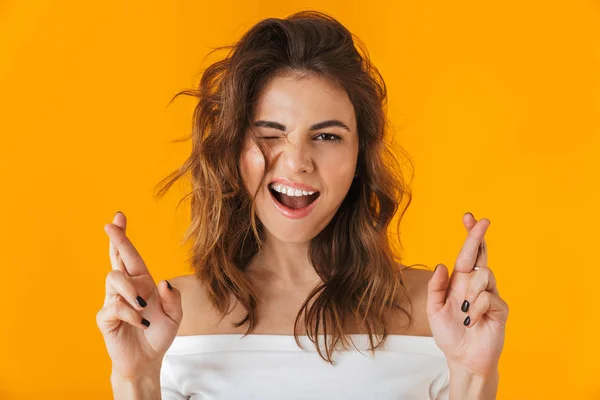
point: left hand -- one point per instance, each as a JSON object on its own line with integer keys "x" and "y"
{"x": 475, "y": 347}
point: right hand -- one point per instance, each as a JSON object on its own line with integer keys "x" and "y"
{"x": 135, "y": 350}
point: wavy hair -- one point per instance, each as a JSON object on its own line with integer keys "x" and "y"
{"x": 353, "y": 255}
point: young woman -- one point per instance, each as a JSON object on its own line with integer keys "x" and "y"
{"x": 296, "y": 291}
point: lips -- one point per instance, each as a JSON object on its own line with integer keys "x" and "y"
{"x": 292, "y": 184}
{"x": 289, "y": 210}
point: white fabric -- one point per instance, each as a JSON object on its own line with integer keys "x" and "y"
{"x": 273, "y": 367}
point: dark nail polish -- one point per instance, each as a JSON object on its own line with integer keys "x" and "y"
{"x": 169, "y": 285}
{"x": 467, "y": 321}
{"x": 140, "y": 301}
{"x": 145, "y": 322}
{"x": 465, "y": 306}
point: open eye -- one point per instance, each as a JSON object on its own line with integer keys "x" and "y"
{"x": 328, "y": 137}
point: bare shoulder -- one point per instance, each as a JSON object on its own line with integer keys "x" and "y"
{"x": 198, "y": 314}
{"x": 416, "y": 282}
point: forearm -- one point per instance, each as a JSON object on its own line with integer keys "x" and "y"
{"x": 465, "y": 385}
{"x": 146, "y": 388}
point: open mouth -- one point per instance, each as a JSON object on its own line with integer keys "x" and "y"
{"x": 292, "y": 199}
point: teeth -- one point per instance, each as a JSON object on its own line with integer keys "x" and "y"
{"x": 290, "y": 191}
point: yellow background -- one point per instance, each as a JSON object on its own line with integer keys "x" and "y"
{"x": 498, "y": 104}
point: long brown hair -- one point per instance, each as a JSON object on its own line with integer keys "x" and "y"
{"x": 353, "y": 255}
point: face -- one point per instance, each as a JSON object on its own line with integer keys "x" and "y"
{"x": 312, "y": 160}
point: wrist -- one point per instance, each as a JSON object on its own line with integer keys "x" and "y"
{"x": 143, "y": 387}
{"x": 470, "y": 385}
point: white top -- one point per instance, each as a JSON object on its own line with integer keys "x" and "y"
{"x": 273, "y": 367}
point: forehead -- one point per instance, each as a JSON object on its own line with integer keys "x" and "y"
{"x": 304, "y": 99}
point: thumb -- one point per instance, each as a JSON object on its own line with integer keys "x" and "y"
{"x": 436, "y": 289}
{"x": 171, "y": 301}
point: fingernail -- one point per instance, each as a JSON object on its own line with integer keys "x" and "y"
{"x": 435, "y": 269}
{"x": 169, "y": 285}
{"x": 467, "y": 321}
{"x": 145, "y": 322}
{"x": 118, "y": 212}
{"x": 465, "y": 306}
{"x": 469, "y": 214}
{"x": 140, "y": 301}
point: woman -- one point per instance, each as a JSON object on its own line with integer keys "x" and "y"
{"x": 293, "y": 191}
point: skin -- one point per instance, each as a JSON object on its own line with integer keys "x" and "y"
{"x": 473, "y": 349}
{"x": 282, "y": 273}
{"x": 302, "y": 156}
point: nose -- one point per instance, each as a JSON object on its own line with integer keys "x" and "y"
{"x": 297, "y": 157}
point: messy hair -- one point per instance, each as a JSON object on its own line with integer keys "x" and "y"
{"x": 353, "y": 255}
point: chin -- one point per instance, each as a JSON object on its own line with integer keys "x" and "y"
{"x": 296, "y": 237}
{"x": 294, "y": 231}
{"x": 281, "y": 229}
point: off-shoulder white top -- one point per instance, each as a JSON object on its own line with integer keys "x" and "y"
{"x": 273, "y": 367}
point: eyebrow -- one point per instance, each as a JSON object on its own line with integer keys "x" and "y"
{"x": 315, "y": 127}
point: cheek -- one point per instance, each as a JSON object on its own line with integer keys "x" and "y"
{"x": 252, "y": 166}
{"x": 340, "y": 166}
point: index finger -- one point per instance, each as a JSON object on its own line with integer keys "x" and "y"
{"x": 468, "y": 255}
{"x": 134, "y": 264}
{"x": 482, "y": 255}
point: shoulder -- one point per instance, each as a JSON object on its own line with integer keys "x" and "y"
{"x": 416, "y": 283}
{"x": 198, "y": 313}
{"x": 417, "y": 279}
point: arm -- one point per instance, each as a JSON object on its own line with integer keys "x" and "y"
{"x": 465, "y": 385}
{"x": 146, "y": 388}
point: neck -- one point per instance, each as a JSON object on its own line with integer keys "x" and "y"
{"x": 283, "y": 262}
